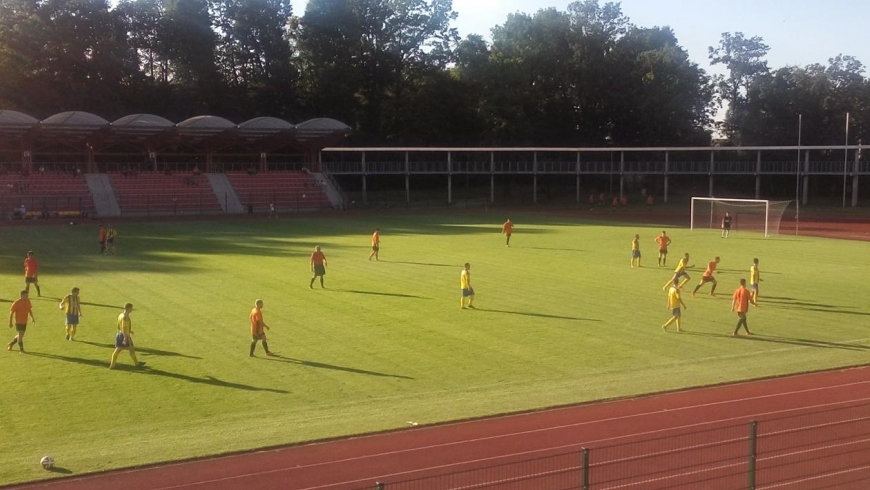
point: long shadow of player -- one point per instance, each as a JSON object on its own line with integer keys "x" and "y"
{"x": 280, "y": 358}
{"x": 418, "y": 263}
{"x": 539, "y": 315}
{"x": 98, "y": 305}
{"x": 785, "y": 340}
{"x": 208, "y": 380}
{"x": 145, "y": 350}
{"x": 376, "y": 293}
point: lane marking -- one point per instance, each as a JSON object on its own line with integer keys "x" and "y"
{"x": 479, "y": 460}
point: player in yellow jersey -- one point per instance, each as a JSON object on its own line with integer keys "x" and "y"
{"x": 754, "y": 278}
{"x": 679, "y": 272}
{"x": 71, "y": 306}
{"x": 635, "y": 251}
{"x": 465, "y": 286}
{"x": 675, "y": 301}
{"x": 124, "y": 339}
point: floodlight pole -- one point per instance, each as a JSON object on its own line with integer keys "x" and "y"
{"x": 797, "y": 215}
{"x": 845, "y": 159}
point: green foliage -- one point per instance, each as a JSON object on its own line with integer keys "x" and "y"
{"x": 561, "y": 318}
{"x": 397, "y": 72}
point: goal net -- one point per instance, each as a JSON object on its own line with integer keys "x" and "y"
{"x": 756, "y": 215}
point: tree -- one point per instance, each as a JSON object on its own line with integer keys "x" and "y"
{"x": 63, "y": 55}
{"x": 363, "y": 59}
{"x": 744, "y": 59}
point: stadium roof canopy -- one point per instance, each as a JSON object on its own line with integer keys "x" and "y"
{"x": 19, "y": 131}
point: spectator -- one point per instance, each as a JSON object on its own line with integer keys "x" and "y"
{"x": 649, "y": 201}
{"x": 196, "y": 170}
{"x": 623, "y": 201}
{"x": 41, "y": 169}
{"x": 19, "y": 212}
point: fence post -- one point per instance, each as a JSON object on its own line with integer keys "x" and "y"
{"x": 753, "y": 431}
{"x": 584, "y": 469}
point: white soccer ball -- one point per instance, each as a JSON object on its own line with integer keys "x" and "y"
{"x": 47, "y": 462}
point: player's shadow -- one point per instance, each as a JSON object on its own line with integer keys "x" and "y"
{"x": 420, "y": 263}
{"x": 376, "y": 293}
{"x": 144, "y": 350}
{"x": 99, "y": 305}
{"x": 551, "y": 249}
{"x": 784, "y": 340}
{"x": 5, "y": 300}
{"x": 539, "y": 315}
{"x": 208, "y": 380}
{"x": 45, "y": 298}
{"x": 795, "y": 304}
{"x": 59, "y": 470}
{"x": 321, "y": 365}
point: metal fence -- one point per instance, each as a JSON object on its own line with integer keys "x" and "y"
{"x": 812, "y": 449}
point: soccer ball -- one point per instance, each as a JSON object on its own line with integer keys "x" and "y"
{"x": 47, "y": 462}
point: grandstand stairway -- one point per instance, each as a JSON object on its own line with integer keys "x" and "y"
{"x": 103, "y": 194}
{"x": 225, "y": 193}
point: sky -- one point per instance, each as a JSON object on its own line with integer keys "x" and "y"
{"x": 799, "y": 32}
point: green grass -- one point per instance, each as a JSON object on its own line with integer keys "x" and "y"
{"x": 561, "y": 319}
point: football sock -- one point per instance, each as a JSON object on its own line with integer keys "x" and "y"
{"x": 72, "y": 332}
{"x": 696, "y": 289}
{"x": 38, "y": 291}
{"x": 712, "y": 291}
{"x": 266, "y": 346}
{"x": 321, "y": 281}
{"x": 14, "y": 341}
{"x": 253, "y": 346}
{"x": 311, "y": 284}
{"x": 21, "y": 345}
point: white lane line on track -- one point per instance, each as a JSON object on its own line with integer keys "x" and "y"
{"x": 514, "y": 434}
{"x": 482, "y": 460}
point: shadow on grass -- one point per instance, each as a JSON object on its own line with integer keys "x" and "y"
{"x": 550, "y": 249}
{"x": 784, "y": 340}
{"x": 795, "y": 304}
{"x": 397, "y": 295}
{"x": 99, "y": 305}
{"x": 539, "y": 315}
{"x": 45, "y": 298}
{"x": 144, "y": 350}
{"x": 207, "y": 380}
{"x": 745, "y": 271}
{"x": 280, "y": 358}
{"x": 419, "y": 263}
{"x": 59, "y": 470}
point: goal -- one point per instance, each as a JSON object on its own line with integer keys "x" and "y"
{"x": 756, "y": 215}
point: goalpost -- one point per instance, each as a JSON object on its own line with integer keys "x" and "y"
{"x": 757, "y": 215}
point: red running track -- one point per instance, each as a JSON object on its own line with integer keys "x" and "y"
{"x": 403, "y": 455}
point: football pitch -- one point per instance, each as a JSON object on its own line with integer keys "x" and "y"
{"x": 561, "y": 318}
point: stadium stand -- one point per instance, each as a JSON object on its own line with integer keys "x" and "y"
{"x": 288, "y": 190}
{"x": 45, "y": 195}
{"x": 152, "y": 193}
